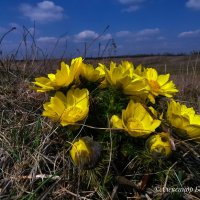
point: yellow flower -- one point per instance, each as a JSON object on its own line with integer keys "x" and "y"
{"x": 76, "y": 66}
{"x": 45, "y": 84}
{"x": 115, "y": 75}
{"x": 185, "y": 119}
{"x": 136, "y": 86}
{"x": 85, "y": 153}
{"x": 135, "y": 120}
{"x": 159, "y": 84}
{"x": 124, "y": 77}
{"x": 139, "y": 70}
{"x": 92, "y": 74}
{"x": 62, "y": 78}
{"x": 68, "y": 109}
{"x": 159, "y": 145}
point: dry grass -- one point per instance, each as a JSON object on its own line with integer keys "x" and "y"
{"x": 34, "y": 160}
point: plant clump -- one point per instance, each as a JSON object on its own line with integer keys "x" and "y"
{"x": 114, "y": 121}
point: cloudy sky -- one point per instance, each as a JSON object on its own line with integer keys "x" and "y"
{"x": 98, "y": 27}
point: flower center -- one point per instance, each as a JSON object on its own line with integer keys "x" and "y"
{"x": 154, "y": 85}
{"x": 135, "y": 126}
{"x": 72, "y": 114}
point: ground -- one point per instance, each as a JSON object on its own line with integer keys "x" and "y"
{"x": 34, "y": 152}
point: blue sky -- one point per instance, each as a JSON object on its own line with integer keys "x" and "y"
{"x": 103, "y": 27}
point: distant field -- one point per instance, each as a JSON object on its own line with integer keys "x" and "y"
{"x": 165, "y": 64}
{"x": 175, "y": 64}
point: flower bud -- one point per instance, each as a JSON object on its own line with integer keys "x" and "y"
{"x": 85, "y": 152}
{"x": 159, "y": 145}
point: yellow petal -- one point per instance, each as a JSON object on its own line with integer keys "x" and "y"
{"x": 57, "y": 105}
{"x": 116, "y": 122}
{"x": 162, "y": 79}
{"x": 151, "y": 74}
{"x": 51, "y": 77}
{"x": 151, "y": 98}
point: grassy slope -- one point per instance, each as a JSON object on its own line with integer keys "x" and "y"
{"x": 34, "y": 158}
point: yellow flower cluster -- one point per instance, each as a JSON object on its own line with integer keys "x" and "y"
{"x": 141, "y": 86}
{"x": 73, "y": 106}
{"x": 144, "y": 82}
{"x": 68, "y": 75}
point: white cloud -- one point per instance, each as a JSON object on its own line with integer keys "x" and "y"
{"x": 123, "y": 34}
{"x": 45, "y": 11}
{"x": 31, "y": 30}
{"x": 148, "y": 32}
{"x": 5, "y": 30}
{"x": 85, "y": 35}
{"x": 88, "y": 35}
{"x": 107, "y": 36}
{"x": 13, "y": 24}
{"x": 139, "y": 35}
{"x": 23, "y": 29}
{"x": 47, "y": 39}
{"x": 51, "y": 39}
{"x": 131, "y": 8}
{"x": 194, "y": 4}
{"x": 131, "y": 5}
{"x": 190, "y": 34}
